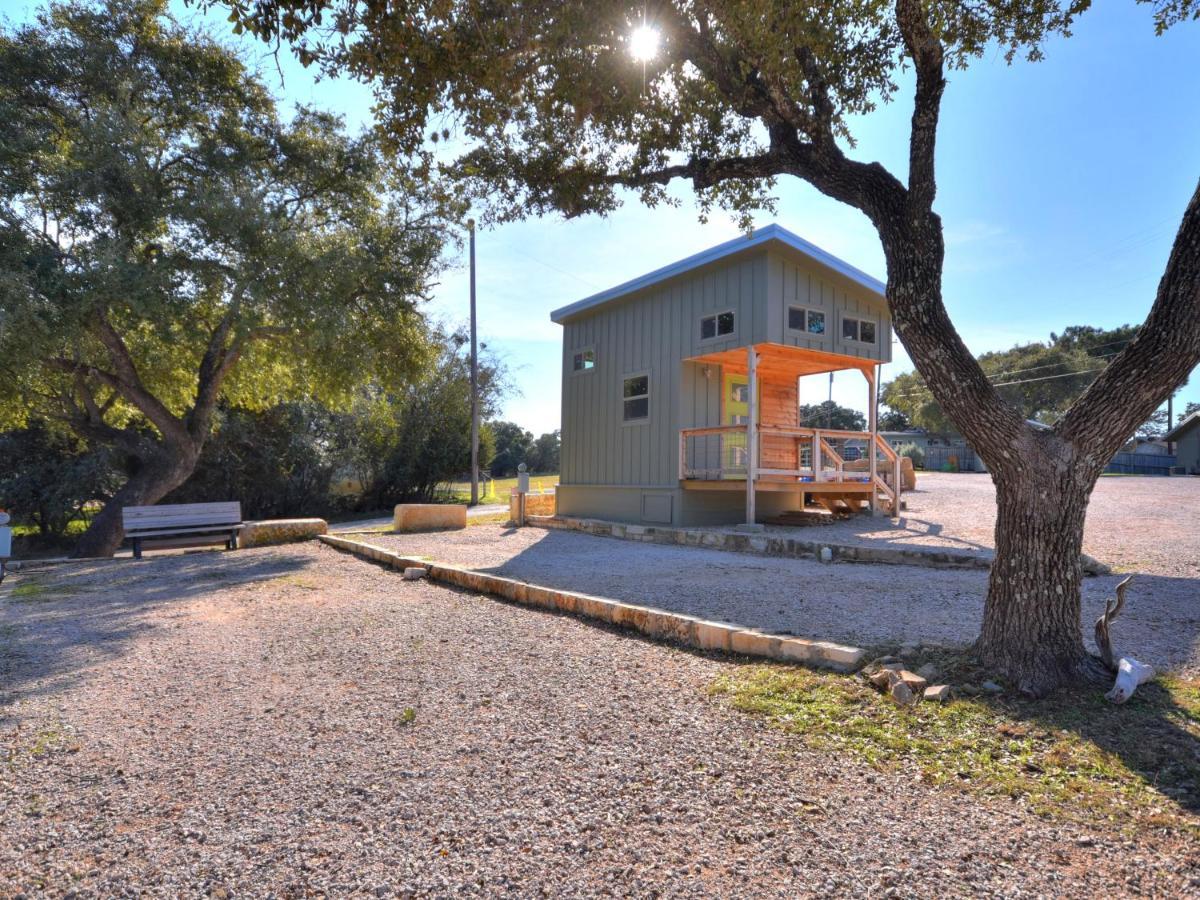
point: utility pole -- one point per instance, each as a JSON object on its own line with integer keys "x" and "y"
{"x": 1170, "y": 420}
{"x": 474, "y": 379}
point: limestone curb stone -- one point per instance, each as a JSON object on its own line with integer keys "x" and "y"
{"x": 280, "y": 531}
{"x": 762, "y": 544}
{"x": 429, "y": 516}
{"x": 656, "y": 623}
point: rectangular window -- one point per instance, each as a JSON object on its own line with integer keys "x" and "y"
{"x": 585, "y": 360}
{"x": 810, "y": 320}
{"x": 716, "y": 326}
{"x": 636, "y": 398}
{"x": 860, "y": 330}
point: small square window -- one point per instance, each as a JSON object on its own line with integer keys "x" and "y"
{"x": 850, "y": 329}
{"x": 866, "y": 332}
{"x": 816, "y": 322}
{"x": 796, "y": 318}
{"x": 860, "y": 330}
{"x": 716, "y": 326}
{"x": 585, "y": 360}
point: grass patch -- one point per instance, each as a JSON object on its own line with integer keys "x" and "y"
{"x": 498, "y": 489}
{"x": 33, "y": 592}
{"x": 500, "y": 518}
{"x": 1073, "y": 756}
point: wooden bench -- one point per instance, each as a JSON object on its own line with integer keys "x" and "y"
{"x": 218, "y": 522}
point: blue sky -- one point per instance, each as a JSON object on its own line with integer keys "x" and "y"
{"x": 1061, "y": 184}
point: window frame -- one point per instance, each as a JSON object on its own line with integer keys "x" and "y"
{"x": 716, "y": 317}
{"x": 807, "y": 310}
{"x": 646, "y": 396}
{"x": 582, "y": 352}
{"x": 858, "y": 323}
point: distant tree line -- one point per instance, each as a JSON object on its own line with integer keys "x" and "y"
{"x": 514, "y": 445}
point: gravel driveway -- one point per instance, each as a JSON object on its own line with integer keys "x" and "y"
{"x": 238, "y": 724}
{"x": 848, "y": 602}
{"x": 1142, "y": 524}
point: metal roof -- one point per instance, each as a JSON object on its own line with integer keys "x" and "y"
{"x": 758, "y": 238}
{"x": 1185, "y": 425}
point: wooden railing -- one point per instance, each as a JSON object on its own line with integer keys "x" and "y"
{"x": 886, "y": 481}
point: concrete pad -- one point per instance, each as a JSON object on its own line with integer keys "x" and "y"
{"x": 429, "y": 516}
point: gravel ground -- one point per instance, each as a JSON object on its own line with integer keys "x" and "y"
{"x": 850, "y": 602}
{"x": 1128, "y": 518}
{"x": 236, "y": 724}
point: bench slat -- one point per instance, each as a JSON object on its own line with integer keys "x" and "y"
{"x": 142, "y": 533}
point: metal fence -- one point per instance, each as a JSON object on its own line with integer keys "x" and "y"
{"x": 952, "y": 459}
{"x": 1141, "y": 464}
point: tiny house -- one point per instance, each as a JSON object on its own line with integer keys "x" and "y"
{"x": 681, "y": 388}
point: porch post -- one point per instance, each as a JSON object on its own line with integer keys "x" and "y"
{"x": 751, "y": 430}
{"x": 873, "y": 416}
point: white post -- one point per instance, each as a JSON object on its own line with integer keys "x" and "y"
{"x": 818, "y": 463}
{"x": 873, "y": 415}
{"x": 751, "y": 430}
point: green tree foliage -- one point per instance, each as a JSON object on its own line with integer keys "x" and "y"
{"x": 513, "y": 444}
{"x": 894, "y": 420}
{"x": 828, "y": 414}
{"x": 544, "y": 455}
{"x": 277, "y": 462}
{"x": 1040, "y": 380}
{"x": 47, "y": 477}
{"x": 431, "y": 434}
{"x": 166, "y": 240}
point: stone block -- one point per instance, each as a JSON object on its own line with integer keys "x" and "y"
{"x": 429, "y": 516}
{"x": 938, "y": 693}
{"x": 280, "y": 531}
{"x": 754, "y": 643}
{"x": 903, "y": 694}
{"x": 839, "y": 656}
{"x": 714, "y": 635}
{"x": 915, "y": 682}
{"x": 414, "y": 573}
{"x": 799, "y": 650}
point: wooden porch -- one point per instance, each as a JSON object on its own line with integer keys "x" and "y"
{"x": 779, "y": 454}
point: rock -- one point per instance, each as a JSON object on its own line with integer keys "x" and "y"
{"x": 915, "y": 682}
{"x": 938, "y": 693}
{"x": 910, "y": 648}
{"x": 928, "y": 671}
{"x": 414, "y": 573}
{"x": 826, "y": 555}
{"x": 990, "y": 687}
{"x": 1093, "y": 566}
{"x": 881, "y": 680}
{"x": 903, "y": 694}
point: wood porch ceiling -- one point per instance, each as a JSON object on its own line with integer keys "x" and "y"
{"x": 778, "y": 361}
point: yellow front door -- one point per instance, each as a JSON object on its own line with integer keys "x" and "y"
{"x": 735, "y": 410}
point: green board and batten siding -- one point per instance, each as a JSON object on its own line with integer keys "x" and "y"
{"x": 624, "y": 471}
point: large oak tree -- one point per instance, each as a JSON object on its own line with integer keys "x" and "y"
{"x": 545, "y": 112}
{"x": 168, "y": 239}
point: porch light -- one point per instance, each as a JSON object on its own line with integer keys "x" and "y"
{"x": 643, "y": 43}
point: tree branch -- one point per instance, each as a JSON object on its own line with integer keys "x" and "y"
{"x": 927, "y": 55}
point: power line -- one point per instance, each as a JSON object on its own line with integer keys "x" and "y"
{"x": 924, "y": 390}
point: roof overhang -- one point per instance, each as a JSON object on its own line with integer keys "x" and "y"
{"x": 1183, "y": 427}
{"x": 759, "y": 238}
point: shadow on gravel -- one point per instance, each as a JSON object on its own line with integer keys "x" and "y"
{"x": 54, "y": 623}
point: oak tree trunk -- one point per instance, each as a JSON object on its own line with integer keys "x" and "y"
{"x": 159, "y": 475}
{"x": 1031, "y": 630}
